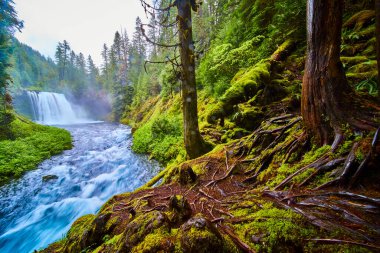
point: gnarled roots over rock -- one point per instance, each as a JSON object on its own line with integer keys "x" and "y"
{"x": 270, "y": 191}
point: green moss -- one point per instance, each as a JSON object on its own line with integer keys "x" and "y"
{"x": 80, "y": 225}
{"x": 215, "y": 112}
{"x": 283, "y": 50}
{"x": 350, "y": 61}
{"x": 154, "y": 242}
{"x": 247, "y": 85}
{"x": 234, "y": 134}
{"x": 274, "y": 175}
{"x": 358, "y": 20}
{"x": 275, "y": 230}
{"x": 200, "y": 168}
{"x": 366, "y": 66}
{"x": 29, "y": 145}
{"x": 247, "y": 117}
{"x": 161, "y": 137}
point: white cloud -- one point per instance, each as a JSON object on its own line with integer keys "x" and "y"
{"x": 85, "y": 24}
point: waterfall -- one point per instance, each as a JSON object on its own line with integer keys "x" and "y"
{"x": 53, "y": 109}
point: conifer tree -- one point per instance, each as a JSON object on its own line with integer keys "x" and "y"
{"x": 194, "y": 143}
{"x": 9, "y": 23}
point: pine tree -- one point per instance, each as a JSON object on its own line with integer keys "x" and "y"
{"x": 92, "y": 72}
{"x": 105, "y": 59}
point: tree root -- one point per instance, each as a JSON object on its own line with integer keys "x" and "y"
{"x": 368, "y": 157}
{"x": 238, "y": 242}
{"x": 209, "y": 196}
{"x": 317, "y": 163}
{"x": 349, "y": 167}
{"x": 324, "y": 168}
{"x": 337, "y": 241}
{"x": 332, "y": 210}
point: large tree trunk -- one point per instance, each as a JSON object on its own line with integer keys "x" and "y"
{"x": 194, "y": 143}
{"x": 327, "y": 99}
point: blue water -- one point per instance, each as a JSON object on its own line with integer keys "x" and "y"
{"x": 34, "y": 213}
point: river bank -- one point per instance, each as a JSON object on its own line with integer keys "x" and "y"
{"x": 36, "y": 212}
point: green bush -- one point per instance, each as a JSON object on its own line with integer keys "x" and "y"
{"x": 30, "y": 145}
{"x": 161, "y": 137}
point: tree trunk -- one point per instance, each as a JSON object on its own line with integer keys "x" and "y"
{"x": 194, "y": 143}
{"x": 377, "y": 8}
{"x": 327, "y": 99}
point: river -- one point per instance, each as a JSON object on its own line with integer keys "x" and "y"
{"x": 34, "y": 213}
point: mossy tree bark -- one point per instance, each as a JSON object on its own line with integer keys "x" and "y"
{"x": 328, "y": 102}
{"x": 194, "y": 143}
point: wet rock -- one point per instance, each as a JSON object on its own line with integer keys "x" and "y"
{"x": 49, "y": 178}
{"x": 198, "y": 235}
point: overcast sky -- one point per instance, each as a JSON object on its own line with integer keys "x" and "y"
{"x": 85, "y": 24}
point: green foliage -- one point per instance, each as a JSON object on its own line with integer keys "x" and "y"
{"x": 31, "y": 69}
{"x": 30, "y": 144}
{"x": 368, "y": 85}
{"x": 169, "y": 81}
{"x": 161, "y": 137}
{"x": 223, "y": 62}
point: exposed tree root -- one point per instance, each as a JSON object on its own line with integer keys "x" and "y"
{"x": 325, "y": 210}
{"x": 238, "y": 242}
{"x": 363, "y": 165}
{"x": 325, "y": 158}
{"x": 224, "y": 191}
{"x": 336, "y": 241}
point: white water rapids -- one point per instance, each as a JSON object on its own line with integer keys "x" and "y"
{"x": 35, "y": 212}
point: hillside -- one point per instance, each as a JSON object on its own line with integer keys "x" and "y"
{"x": 30, "y": 69}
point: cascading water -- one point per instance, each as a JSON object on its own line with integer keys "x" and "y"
{"x": 54, "y": 109}
{"x": 35, "y": 212}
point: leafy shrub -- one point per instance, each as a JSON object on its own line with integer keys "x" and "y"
{"x": 161, "y": 137}
{"x": 31, "y": 145}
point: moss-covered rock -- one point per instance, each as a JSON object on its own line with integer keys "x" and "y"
{"x": 186, "y": 174}
{"x": 199, "y": 235}
{"x": 76, "y": 238}
{"x": 136, "y": 231}
{"x": 245, "y": 86}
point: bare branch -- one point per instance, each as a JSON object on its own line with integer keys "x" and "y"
{"x": 155, "y": 43}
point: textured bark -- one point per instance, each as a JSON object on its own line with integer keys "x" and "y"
{"x": 328, "y": 102}
{"x": 194, "y": 143}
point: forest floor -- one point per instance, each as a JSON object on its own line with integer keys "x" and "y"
{"x": 260, "y": 193}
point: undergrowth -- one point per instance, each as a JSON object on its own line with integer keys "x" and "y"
{"x": 26, "y": 145}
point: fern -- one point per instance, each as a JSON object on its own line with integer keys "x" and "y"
{"x": 369, "y": 85}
